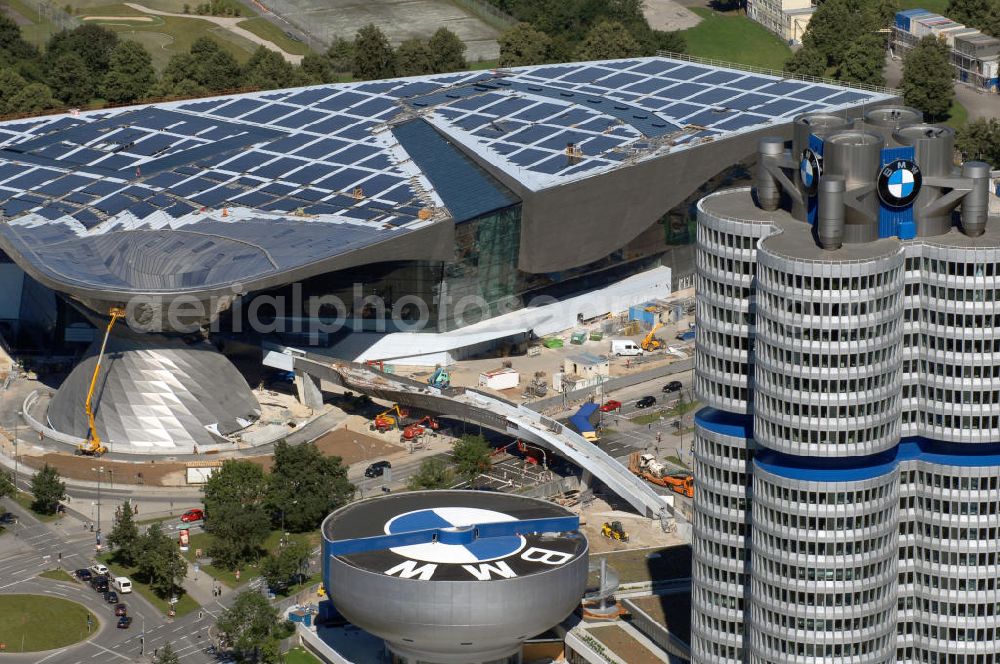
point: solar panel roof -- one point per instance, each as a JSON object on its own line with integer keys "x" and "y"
{"x": 328, "y": 153}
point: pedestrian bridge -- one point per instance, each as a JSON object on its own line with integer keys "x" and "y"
{"x": 492, "y": 412}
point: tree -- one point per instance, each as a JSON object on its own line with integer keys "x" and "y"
{"x": 213, "y": 67}
{"x": 432, "y": 474}
{"x": 48, "y": 489}
{"x": 125, "y": 536}
{"x": 285, "y": 567}
{"x": 13, "y": 47}
{"x": 608, "y": 40}
{"x": 523, "y": 45}
{"x": 373, "y": 55}
{"x": 447, "y": 51}
{"x": 471, "y": 456}
{"x": 341, "y": 54}
{"x": 131, "y": 75}
{"x": 927, "y": 83}
{"x": 166, "y": 654}
{"x": 249, "y": 624}
{"x": 159, "y": 563}
{"x": 836, "y": 25}
{"x": 69, "y": 79}
{"x": 7, "y": 487}
{"x": 981, "y": 14}
{"x": 316, "y": 68}
{"x": 864, "y": 61}
{"x": 980, "y": 140}
{"x": 10, "y": 84}
{"x": 806, "y": 62}
{"x": 413, "y": 58}
{"x": 268, "y": 70}
{"x": 306, "y": 486}
{"x": 32, "y": 98}
{"x": 237, "y": 517}
{"x": 94, "y": 44}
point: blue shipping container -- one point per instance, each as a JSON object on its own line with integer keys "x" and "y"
{"x": 903, "y": 18}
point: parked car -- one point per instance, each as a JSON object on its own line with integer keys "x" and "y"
{"x": 611, "y": 405}
{"x": 98, "y": 568}
{"x": 193, "y": 515}
{"x": 83, "y": 574}
{"x": 646, "y": 402}
{"x": 110, "y": 596}
{"x": 8, "y": 517}
{"x": 673, "y": 386}
{"x": 377, "y": 469}
{"x": 121, "y": 609}
{"x": 124, "y": 622}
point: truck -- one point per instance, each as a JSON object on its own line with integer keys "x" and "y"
{"x": 648, "y": 468}
{"x": 625, "y": 347}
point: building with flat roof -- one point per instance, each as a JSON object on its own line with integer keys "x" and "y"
{"x": 786, "y": 18}
{"x": 389, "y": 214}
{"x": 847, "y": 461}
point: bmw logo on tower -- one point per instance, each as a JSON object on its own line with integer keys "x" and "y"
{"x": 899, "y": 183}
{"x": 810, "y": 170}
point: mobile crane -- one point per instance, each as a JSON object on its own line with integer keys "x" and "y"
{"x": 93, "y": 445}
{"x": 652, "y": 342}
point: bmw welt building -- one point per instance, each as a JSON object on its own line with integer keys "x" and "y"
{"x": 430, "y": 213}
{"x": 848, "y": 351}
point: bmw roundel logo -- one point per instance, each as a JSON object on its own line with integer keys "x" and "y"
{"x": 479, "y": 551}
{"x": 809, "y": 170}
{"x": 899, "y": 183}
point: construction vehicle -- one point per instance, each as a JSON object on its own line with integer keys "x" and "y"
{"x": 614, "y": 531}
{"x": 647, "y": 467}
{"x": 439, "y": 379}
{"x": 93, "y": 446}
{"x": 385, "y": 421}
{"x": 417, "y": 429}
{"x": 652, "y": 342}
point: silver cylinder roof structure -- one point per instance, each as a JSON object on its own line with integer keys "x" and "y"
{"x": 444, "y": 603}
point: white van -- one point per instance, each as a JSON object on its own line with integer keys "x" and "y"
{"x": 122, "y": 584}
{"x": 625, "y": 347}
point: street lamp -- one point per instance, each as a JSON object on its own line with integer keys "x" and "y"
{"x": 100, "y": 472}
{"x": 17, "y": 422}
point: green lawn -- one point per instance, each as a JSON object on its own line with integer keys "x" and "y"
{"x": 936, "y": 6}
{"x": 648, "y": 418}
{"x": 265, "y": 29}
{"x": 25, "y": 499}
{"x": 735, "y": 38}
{"x": 300, "y": 656}
{"x": 39, "y": 30}
{"x": 56, "y": 575}
{"x": 32, "y": 622}
{"x": 958, "y": 116}
{"x": 184, "y": 605}
{"x": 204, "y": 540}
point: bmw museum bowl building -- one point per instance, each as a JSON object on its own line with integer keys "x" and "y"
{"x": 454, "y": 577}
{"x": 391, "y": 205}
{"x": 848, "y": 353}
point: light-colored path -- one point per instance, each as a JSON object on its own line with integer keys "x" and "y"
{"x": 229, "y": 23}
{"x": 132, "y": 19}
{"x": 669, "y": 15}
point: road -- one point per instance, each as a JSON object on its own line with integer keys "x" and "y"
{"x": 34, "y": 547}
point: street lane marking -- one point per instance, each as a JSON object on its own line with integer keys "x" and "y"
{"x": 110, "y": 652}
{"x": 58, "y": 652}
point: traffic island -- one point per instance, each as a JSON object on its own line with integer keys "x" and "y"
{"x": 28, "y": 621}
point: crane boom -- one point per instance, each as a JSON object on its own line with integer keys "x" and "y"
{"x": 93, "y": 446}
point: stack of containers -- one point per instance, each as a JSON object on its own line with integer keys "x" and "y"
{"x": 973, "y": 54}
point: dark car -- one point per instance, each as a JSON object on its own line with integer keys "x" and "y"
{"x": 111, "y": 597}
{"x": 8, "y": 517}
{"x": 99, "y": 583}
{"x": 377, "y": 469}
{"x": 645, "y": 402}
{"x": 673, "y": 386}
{"x": 121, "y": 610}
{"x": 124, "y": 622}
{"x": 83, "y": 574}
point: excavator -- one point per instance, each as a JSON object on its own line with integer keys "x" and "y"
{"x": 93, "y": 446}
{"x": 652, "y": 342}
{"x": 614, "y": 531}
{"x": 647, "y": 467}
{"x": 385, "y": 421}
{"x": 440, "y": 379}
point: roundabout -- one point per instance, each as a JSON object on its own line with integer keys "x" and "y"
{"x": 34, "y": 623}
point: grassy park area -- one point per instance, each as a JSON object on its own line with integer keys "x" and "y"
{"x": 32, "y": 623}
{"x": 272, "y": 33}
{"x": 300, "y": 656}
{"x": 203, "y": 542}
{"x": 733, "y": 37}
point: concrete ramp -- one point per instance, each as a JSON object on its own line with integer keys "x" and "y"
{"x": 497, "y": 414}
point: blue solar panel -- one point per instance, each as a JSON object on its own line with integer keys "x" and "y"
{"x": 32, "y": 179}
{"x": 310, "y": 96}
{"x": 713, "y": 97}
{"x": 750, "y": 82}
{"x": 528, "y": 156}
{"x": 779, "y": 107}
{"x": 279, "y": 167}
{"x": 300, "y": 119}
{"x": 253, "y": 198}
{"x": 377, "y": 184}
{"x": 331, "y": 125}
{"x": 740, "y": 121}
{"x": 397, "y": 194}
{"x": 309, "y": 174}
{"x": 680, "y": 111}
{"x": 17, "y": 206}
{"x": 814, "y": 93}
{"x": 343, "y": 180}
{"x": 619, "y": 80}
{"x": 655, "y": 67}
{"x": 341, "y": 102}
{"x": 322, "y": 149}
{"x": 357, "y": 132}
{"x": 238, "y": 107}
{"x": 113, "y": 204}
{"x": 846, "y": 97}
{"x": 269, "y": 113}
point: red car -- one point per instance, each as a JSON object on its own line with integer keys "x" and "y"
{"x": 192, "y": 515}
{"x": 611, "y": 405}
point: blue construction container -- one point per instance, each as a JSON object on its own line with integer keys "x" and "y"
{"x": 903, "y": 18}
{"x": 647, "y": 318}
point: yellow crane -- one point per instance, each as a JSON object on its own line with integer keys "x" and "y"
{"x": 651, "y": 342}
{"x": 93, "y": 446}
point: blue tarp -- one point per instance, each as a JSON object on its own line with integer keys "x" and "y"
{"x": 581, "y": 421}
